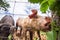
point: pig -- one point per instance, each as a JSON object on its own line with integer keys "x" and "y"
{"x": 6, "y": 26}
{"x": 33, "y": 23}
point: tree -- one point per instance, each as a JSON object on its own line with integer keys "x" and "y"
{"x": 54, "y": 6}
{"x": 4, "y": 4}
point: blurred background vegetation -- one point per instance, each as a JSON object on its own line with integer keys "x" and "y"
{"x": 4, "y": 5}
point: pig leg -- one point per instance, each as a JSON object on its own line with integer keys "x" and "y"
{"x": 23, "y": 34}
{"x": 31, "y": 35}
{"x": 38, "y": 32}
{"x": 28, "y": 35}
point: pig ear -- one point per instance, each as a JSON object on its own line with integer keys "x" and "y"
{"x": 48, "y": 19}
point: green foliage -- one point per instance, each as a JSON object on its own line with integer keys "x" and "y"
{"x": 10, "y": 37}
{"x": 34, "y": 1}
{"x": 56, "y": 7}
{"x": 50, "y": 35}
{"x": 58, "y": 13}
{"x": 40, "y": 1}
{"x": 54, "y": 26}
{"x": 51, "y": 2}
{"x": 44, "y": 6}
{"x": 4, "y": 4}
